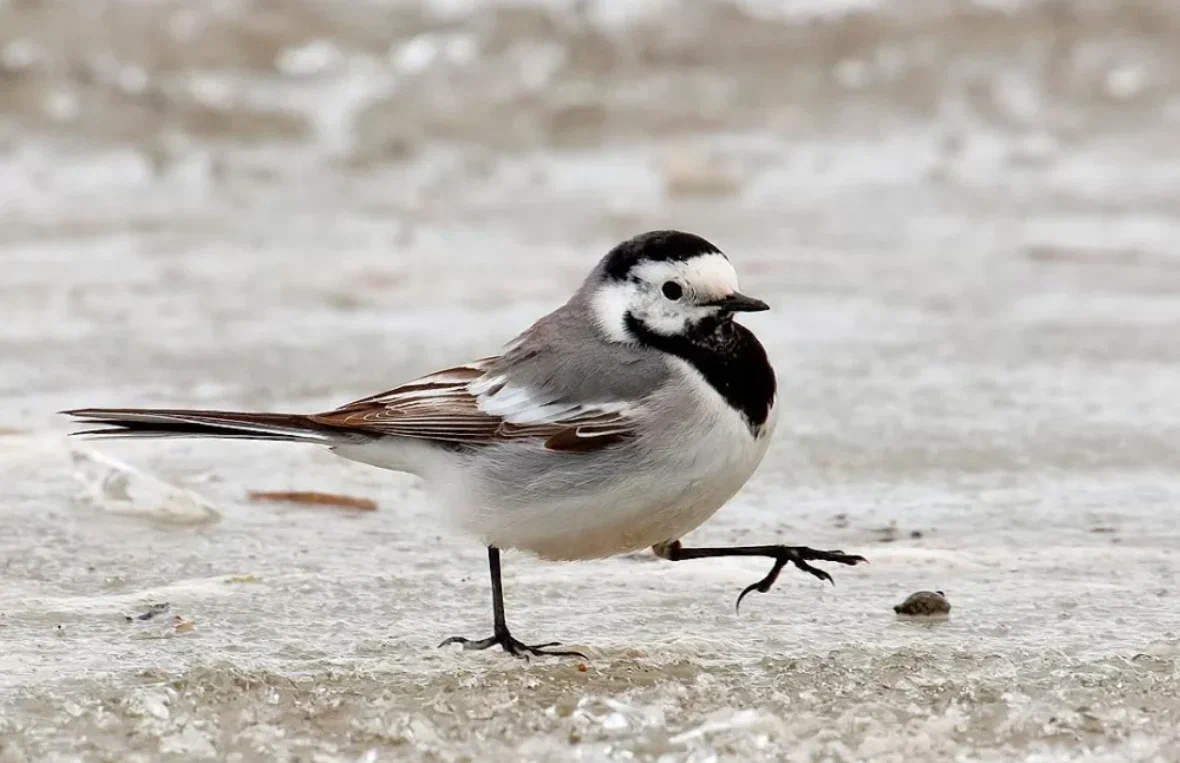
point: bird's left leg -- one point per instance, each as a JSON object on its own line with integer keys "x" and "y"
{"x": 500, "y": 635}
{"x": 782, "y": 556}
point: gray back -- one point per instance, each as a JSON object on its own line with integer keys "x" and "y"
{"x": 563, "y": 356}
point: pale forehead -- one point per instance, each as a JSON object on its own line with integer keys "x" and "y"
{"x": 707, "y": 274}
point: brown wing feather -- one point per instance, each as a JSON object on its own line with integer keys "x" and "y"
{"x": 442, "y": 407}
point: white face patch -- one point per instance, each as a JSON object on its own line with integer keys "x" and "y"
{"x": 703, "y": 278}
{"x": 708, "y": 276}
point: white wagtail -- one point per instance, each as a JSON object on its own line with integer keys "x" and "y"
{"x": 620, "y": 421}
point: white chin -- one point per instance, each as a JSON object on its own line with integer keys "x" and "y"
{"x": 666, "y": 325}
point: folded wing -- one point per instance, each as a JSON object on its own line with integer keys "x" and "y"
{"x": 476, "y": 404}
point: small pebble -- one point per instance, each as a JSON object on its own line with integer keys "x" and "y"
{"x": 924, "y": 604}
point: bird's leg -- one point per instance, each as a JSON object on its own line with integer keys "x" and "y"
{"x": 500, "y": 635}
{"x": 782, "y": 556}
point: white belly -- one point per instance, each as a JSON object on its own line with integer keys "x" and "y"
{"x": 661, "y": 492}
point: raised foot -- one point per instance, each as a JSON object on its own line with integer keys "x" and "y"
{"x": 512, "y": 646}
{"x": 798, "y": 556}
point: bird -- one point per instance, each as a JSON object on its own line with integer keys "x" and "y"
{"x": 621, "y": 421}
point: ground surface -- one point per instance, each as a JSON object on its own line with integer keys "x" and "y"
{"x": 967, "y": 224}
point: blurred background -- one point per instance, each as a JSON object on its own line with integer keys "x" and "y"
{"x": 965, "y": 214}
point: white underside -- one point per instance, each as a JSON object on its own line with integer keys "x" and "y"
{"x": 695, "y": 453}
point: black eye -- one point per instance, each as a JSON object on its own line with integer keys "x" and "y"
{"x": 673, "y": 290}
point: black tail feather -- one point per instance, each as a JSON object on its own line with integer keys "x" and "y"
{"x": 145, "y": 423}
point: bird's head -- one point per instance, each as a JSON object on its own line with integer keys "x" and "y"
{"x": 666, "y": 284}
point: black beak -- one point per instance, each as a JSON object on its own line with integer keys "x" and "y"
{"x": 740, "y": 303}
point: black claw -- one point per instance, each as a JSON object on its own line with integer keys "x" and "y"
{"x": 515, "y": 648}
{"x": 814, "y": 571}
{"x": 799, "y": 557}
{"x": 468, "y": 644}
{"x": 763, "y": 585}
{"x": 737, "y": 608}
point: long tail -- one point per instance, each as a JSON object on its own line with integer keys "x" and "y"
{"x": 141, "y": 422}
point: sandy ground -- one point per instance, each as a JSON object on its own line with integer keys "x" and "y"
{"x": 964, "y": 216}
